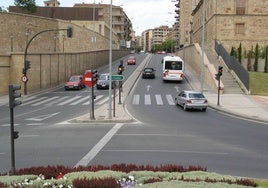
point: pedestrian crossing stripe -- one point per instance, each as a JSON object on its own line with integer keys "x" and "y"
{"x": 147, "y": 100}
{"x": 137, "y": 99}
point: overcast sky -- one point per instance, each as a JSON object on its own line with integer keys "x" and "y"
{"x": 144, "y": 14}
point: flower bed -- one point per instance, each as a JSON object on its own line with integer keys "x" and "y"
{"x": 119, "y": 176}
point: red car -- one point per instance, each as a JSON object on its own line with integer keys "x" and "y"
{"x": 131, "y": 60}
{"x": 75, "y": 82}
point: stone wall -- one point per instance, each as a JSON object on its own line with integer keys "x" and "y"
{"x": 53, "y": 56}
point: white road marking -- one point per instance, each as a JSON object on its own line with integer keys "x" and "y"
{"x": 68, "y": 101}
{"x": 147, "y": 99}
{"x": 95, "y": 150}
{"x": 42, "y": 117}
{"x": 170, "y": 100}
{"x": 159, "y": 100}
{"x": 44, "y": 101}
{"x": 136, "y": 99}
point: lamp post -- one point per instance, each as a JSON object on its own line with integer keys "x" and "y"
{"x": 203, "y": 47}
{"x": 110, "y": 62}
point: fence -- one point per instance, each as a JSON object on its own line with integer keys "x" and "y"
{"x": 233, "y": 64}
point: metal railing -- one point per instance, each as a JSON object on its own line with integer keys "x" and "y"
{"x": 233, "y": 64}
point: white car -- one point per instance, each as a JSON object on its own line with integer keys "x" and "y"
{"x": 191, "y": 100}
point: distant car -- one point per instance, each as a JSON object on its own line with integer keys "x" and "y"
{"x": 131, "y": 60}
{"x": 191, "y": 100}
{"x": 75, "y": 82}
{"x": 103, "y": 81}
{"x": 148, "y": 73}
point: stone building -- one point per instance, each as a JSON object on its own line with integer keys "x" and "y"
{"x": 230, "y": 22}
{"x": 92, "y": 16}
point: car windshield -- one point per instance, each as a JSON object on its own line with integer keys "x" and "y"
{"x": 148, "y": 70}
{"x": 173, "y": 65}
{"x": 131, "y": 58}
{"x": 74, "y": 79}
{"x": 196, "y": 95}
{"x": 103, "y": 77}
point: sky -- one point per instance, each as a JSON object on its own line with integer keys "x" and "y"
{"x": 144, "y": 14}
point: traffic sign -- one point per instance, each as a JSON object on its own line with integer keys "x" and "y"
{"x": 117, "y": 77}
{"x": 24, "y": 78}
{"x": 88, "y": 79}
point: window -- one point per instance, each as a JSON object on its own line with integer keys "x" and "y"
{"x": 240, "y": 6}
{"x": 240, "y": 28}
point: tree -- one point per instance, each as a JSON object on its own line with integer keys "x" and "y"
{"x": 266, "y": 60}
{"x": 233, "y": 52}
{"x": 28, "y": 5}
{"x": 256, "y": 61}
{"x": 240, "y": 53}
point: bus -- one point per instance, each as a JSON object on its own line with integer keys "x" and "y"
{"x": 173, "y": 68}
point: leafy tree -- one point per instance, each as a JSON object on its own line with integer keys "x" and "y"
{"x": 256, "y": 61}
{"x": 249, "y": 55}
{"x": 28, "y": 5}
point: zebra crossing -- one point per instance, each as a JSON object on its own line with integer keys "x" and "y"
{"x": 149, "y": 99}
{"x": 137, "y": 99}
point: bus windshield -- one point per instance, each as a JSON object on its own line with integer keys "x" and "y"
{"x": 173, "y": 65}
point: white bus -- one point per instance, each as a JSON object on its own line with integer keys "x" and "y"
{"x": 173, "y": 68}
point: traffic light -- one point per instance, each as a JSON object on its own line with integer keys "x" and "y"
{"x": 69, "y": 32}
{"x": 120, "y": 69}
{"x": 28, "y": 65}
{"x": 95, "y": 75}
{"x": 13, "y": 95}
{"x": 219, "y": 74}
{"x": 15, "y": 134}
{"x": 24, "y": 71}
{"x": 220, "y": 69}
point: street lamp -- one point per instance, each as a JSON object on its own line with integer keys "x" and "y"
{"x": 110, "y": 62}
{"x": 203, "y": 47}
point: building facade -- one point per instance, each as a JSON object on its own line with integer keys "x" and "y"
{"x": 92, "y": 16}
{"x": 230, "y": 22}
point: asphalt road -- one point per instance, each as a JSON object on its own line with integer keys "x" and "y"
{"x": 162, "y": 134}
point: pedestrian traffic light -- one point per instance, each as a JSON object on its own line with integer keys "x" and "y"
{"x": 13, "y": 95}
{"x": 95, "y": 75}
{"x": 219, "y": 74}
{"x": 15, "y": 134}
{"x": 220, "y": 69}
{"x": 28, "y": 65}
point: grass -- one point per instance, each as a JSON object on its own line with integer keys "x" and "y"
{"x": 258, "y": 83}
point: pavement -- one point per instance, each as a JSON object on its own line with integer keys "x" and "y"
{"x": 240, "y": 105}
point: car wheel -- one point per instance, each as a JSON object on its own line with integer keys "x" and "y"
{"x": 185, "y": 107}
{"x": 204, "y": 109}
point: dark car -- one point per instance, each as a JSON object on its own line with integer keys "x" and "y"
{"x": 131, "y": 60}
{"x": 103, "y": 81}
{"x": 148, "y": 73}
{"x": 75, "y": 82}
{"x": 191, "y": 100}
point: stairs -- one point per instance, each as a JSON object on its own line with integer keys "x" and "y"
{"x": 230, "y": 84}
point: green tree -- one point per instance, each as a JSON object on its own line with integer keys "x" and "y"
{"x": 256, "y": 58}
{"x": 240, "y": 53}
{"x": 266, "y": 60}
{"x": 28, "y": 5}
{"x": 233, "y": 52}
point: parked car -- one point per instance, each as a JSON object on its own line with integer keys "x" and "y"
{"x": 75, "y": 82}
{"x": 131, "y": 60}
{"x": 103, "y": 81}
{"x": 191, "y": 100}
{"x": 148, "y": 73}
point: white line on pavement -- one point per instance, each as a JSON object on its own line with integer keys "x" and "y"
{"x": 95, "y": 150}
